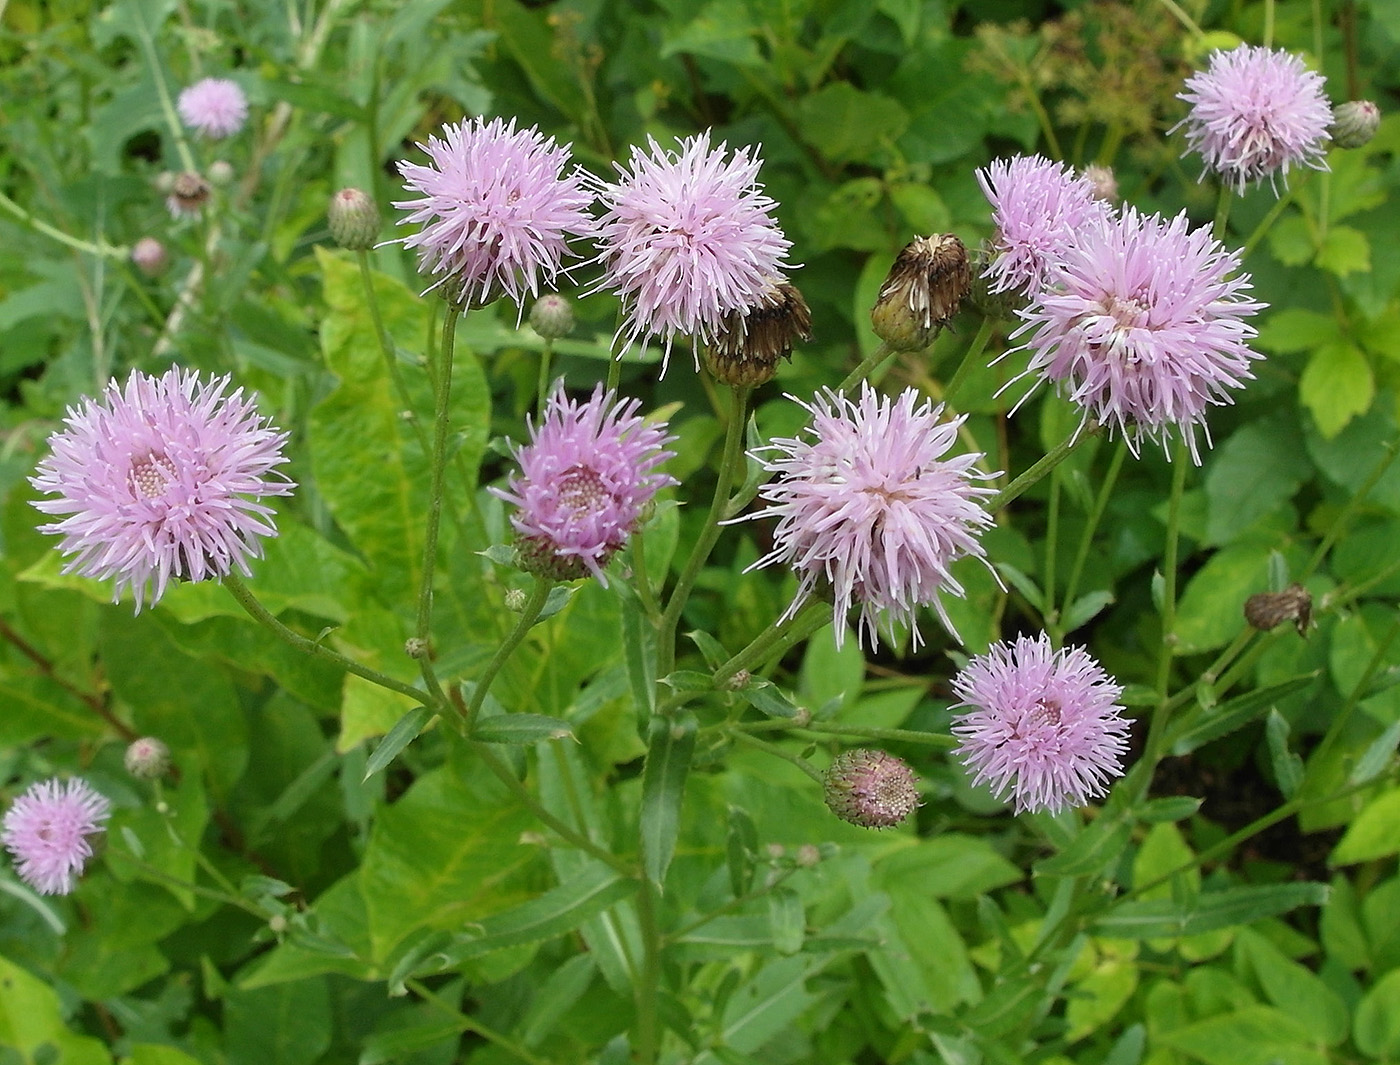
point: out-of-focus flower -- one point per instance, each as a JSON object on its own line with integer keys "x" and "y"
{"x": 746, "y": 351}
{"x": 585, "y": 477}
{"x": 1256, "y": 112}
{"x": 189, "y": 192}
{"x": 148, "y": 255}
{"x": 1043, "y": 726}
{"x": 215, "y": 107}
{"x": 688, "y": 237}
{"x": 875, "y": 506}
{"x": 496, "y": 208}
{"x": 46, "y": 831}
{"x": 924, "y": 289}
{"x": 1144, "y": 325}
{"x": 147, "y": 758}
{"x": 872, "y": 789}
{"x": 162, "y": 479}
{"x": 1355, "y": 123}
{"x": 1102, "y": 180}
{"x": 1037, "y": 207}
{"x": 353, "y": 219}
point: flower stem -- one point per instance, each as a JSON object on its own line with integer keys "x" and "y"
{"x": 1087, "y": 539}
{"x": 855, "y": 732}
{"x": 1339, "y": 525}
{"x": 970, "y": 360}
{"x": 778, "y": 752}
{"x": 1222, "y": 212}
{"x": 776, "y": 639}
{"x": 863, "y": 369}
{"x": 533, "y": 605}
{"x": 649, "y": 980}
{"x": 100, "y": 248}
{"x": 1061, "y": 451}
{"x": 542, "y": 389}
{"x": 260, "y": 614}
{"x": 729, "y": 464}
{"x": 437, "y": 469}
{"x": 386, "y": 342}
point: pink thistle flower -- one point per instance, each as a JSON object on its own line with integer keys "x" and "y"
{"x": 1043, "y": 725}
{"x": 874, "y": 506}
{"x": 1143, "y": 325}
{"x": 162, "y": 479}
{"x": 1254, "y": 113}
{"x": 46, "y": 831}
{"x": 215, "y": 107}
{"x": 688, "y": 237}
{"x": 1037, "y": 207}
{"x": 585, "y": 478}
{"x": 496, "y": 208}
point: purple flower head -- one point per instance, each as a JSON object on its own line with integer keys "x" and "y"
{"x": 1254, "y": 113}
{"x": 687, "y": 238}
{"x": 46, "y": 831}
{"x": 162, "y": 479}
{"x": 215, "y": 107}
{"x": 874, "y": 506}
{"x": 497, "y": 210}
{"x": 1037, "y": 207}
{"x": 1143, "y": 325}
{"x": 1043, "y": 725}
{"x": 585, "y": 477}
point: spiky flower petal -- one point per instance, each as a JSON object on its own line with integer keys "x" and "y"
{"x": 215, "y": 107}
{"x": 46, "y": 831}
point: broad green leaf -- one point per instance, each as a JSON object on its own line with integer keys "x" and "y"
{"x": 921, "y": 207}
{"x": 947, "y": 866}
{"x": 116, "y": 947}
{"x": 1292, "y": 329}
{"x": 521, "y": 729}
{"x": 1096, "y": 996}
{"x": 1251, "y": 474}
{"x": 31, "y": 1017}
{"x": 1211, "y": 610}
{"x": 157, "y": 1054}
{"x": 1344, "y": 251}
{"x": 766, "y": 1005}
{"x": 1377, "y": 1025}
{"x": 787, "y": 920}
{"x": 1164, "y": 918}
{"x": 286, "y": 1024}
{"x": 1336, "y": 386}
{"x": 847, "y": 124}
{"x": 1296, "y": 990}
{"x": 663, "y": 788}
{"x": 404, "y": 732}
{"x": 723, "y": 30}
{"x": 1374, "y": 834}
{"x": 1376, "y": 757}
{"x": 1291, "y": 241}
{"x": 1256, "y": 1035}
{"x": 166, "y": 841}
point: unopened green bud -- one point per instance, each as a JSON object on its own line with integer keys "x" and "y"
{"x": 221, "y": 173}
{"x": 1354, "y": 123}
{"x": 354, "y": 220}
{"x": 147, "y": 758}
{"x": 552, "y": 316}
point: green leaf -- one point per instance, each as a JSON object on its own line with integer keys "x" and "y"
{"x": 689, "y": 680}
{"x": 31, "y": 1017}
{"x": 1287, "y": 766}
{"x": 712, "y": 649}
{"x": 767, "y": 698}
{"x": 286, "y": 1024}
{"x": 404, "y": 732}
{"x": 1084, "y": 609}
{"x": 663, "y": 788}
{"x": 1093, "y": 849}
{"x": 1251, "y": 474}
{"x": 847, "y": 124}
{"x": 741, "y": 845}
{"x": 1296, "y": 990}
{"x": 722, "y": 30}
{"x": 639, "y": 647}
{"x": 1374, "y": 834}
{"x": 765, "y": 1006}
{"x": 1291, "y": 241}
{"x": 522, "y": 729}
{"x": 1344, "y": 251}
{"x": 1211, "y": 610}
{"x": 787, "y": 920}
{"x": 1377, "y": 1026}
{"x": 1293, "y": 329}
{"x": 1255, "y": 1035}
{"x": 1376, "y": 757}
{"x": 1164, "y": 918}
{"x": 948, "y": 866}
{"x": 1336, "y": 386}
{"x": 1173, "y": 808}
{"x": 1228, "y": 717}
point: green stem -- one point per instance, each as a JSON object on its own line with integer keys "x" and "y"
{"x": 542, "y": 388}
{"x": 1268, "y": 23}
{"x": 100, "y": 248}
{"x": 146, "y": 36}
{"x": 436, "y": 473}
{"x": 471, "y": 1024}
{"x": 539, "y": 594}
{"x": 1266, "y": 222}
{"x": 1340, "y": 720}
{"x": 227, "y": 898}
{"x": 260, "y": 614}
{"x": 970, "y": 360}
{"x": 778, "y": 752}
{"x": 729, "y": 464}
{"x": 1179, "y": 13}
{"x": 1052, "y": 537}
{"x": 560, "y": 827}
{"x": 649, "y": 982}
{"x": 1061, "y": 451}
{"x": 386, "y": 342}
{"x": 857, "y": 732}
{"x": 1087, "y": 539}
{"x": 776, "y": 639}
{"x": 729, "y": 907}
{"x": 1349, "y": 510}
{"x": 1222, "y": 212}
{"x": 864, "y": 367}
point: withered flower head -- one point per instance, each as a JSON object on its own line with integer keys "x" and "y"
{"x": 927, "y": 283}
{"x": 1267, "y": 609}
{"x": 188, "y": 193}
{"x": 749, "y": 343}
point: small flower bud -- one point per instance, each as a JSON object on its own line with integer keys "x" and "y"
{"x": 1103, "y": 181}
{"x": 872, "y": 789}
{"x": 221, "y": 173}
{"x": 1354, "y": 123}
{"x": 552, "y": 316}
{"x": 147, "y": 758}
{"x": 739, "y": 681}
{"x": 516, "y": 600}
{"x": 1267, "y": 609}
{"x": 808, "y": 855}
{"x": 750, "y": 343}
{"x": 924, "y": 288}
{"x": 277, "y": 923}
{"x": 148, "y": 255}
{"x": 188, "y": 193}
{"x": 354, "y": 220}
{"x": 415, "y": 647}
{"x": 775, "y": 851}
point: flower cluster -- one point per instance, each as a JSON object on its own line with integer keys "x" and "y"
{"x": 1043, "y": 726}
{"x": 47, "y": 830}
{"x": 874, "y": 506}
{"x": 162, "y": 479}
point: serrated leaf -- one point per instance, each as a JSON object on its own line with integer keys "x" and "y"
{"x": 1336, "y": 386}
{"x": 1292, "y": 329}
{"x": 663, "y": 787}
{"x": 1287, "y": 766}
{"x": 1344, "y": 251}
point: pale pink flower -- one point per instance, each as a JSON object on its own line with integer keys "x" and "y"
{"x": 1043, "y": 726}
{"x": 1037, "y": 208}
{"x": 1256, "y": 112}
{"x": 875, "y": 506}
{"x": 1143, "y": 326}
{"x": 587, "y": 474}
{"x": 497, "y": 210}
{"x": 215, "y": 107}
{"x": 688, "y": 237}
{"x": 46, "y": 831}
{"x": 162, "y": 479}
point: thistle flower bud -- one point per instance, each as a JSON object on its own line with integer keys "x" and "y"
{"x": 516, "y": 600}
{"x": 148, "y": 255}
{"x": 872, "y": 789}
{"x": 1267, "y": 609}
{"x": 221, "y": 173}
{"x": 147, "y": 758}
{"x": 552, "y": 316}
{"x": 924, "y": 288}
{"x": 1354, "y": 123}
{"x": 188, "y": 193}
{"x": 354, "y": 220}
{"x": 1103, "y": 181}
{"x": 415, "y": 647}
{"x": 748, "y": 345}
